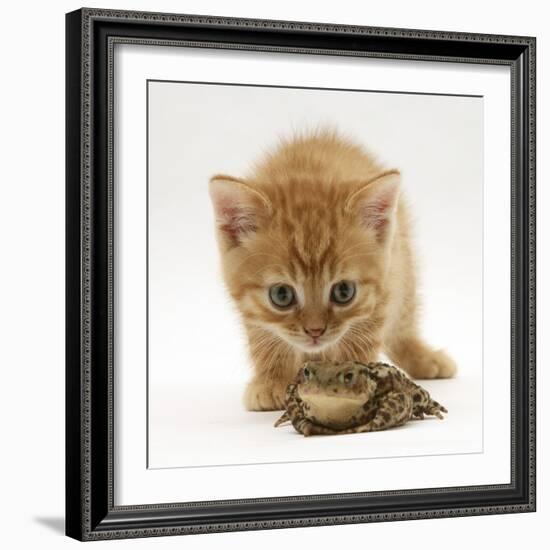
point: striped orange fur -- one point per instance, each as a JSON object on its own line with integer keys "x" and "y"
{"x": 317, "y": 211}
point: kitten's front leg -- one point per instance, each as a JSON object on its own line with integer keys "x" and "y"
{"x": 275, "y": 366}
{"x": 418, "y": 359}
{"x": 263, "y": 394}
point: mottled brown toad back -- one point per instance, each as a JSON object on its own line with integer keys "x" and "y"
{"x": 341, "y": 398}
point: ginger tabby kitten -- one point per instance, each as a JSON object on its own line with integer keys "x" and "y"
{"x": 316, "y": 253}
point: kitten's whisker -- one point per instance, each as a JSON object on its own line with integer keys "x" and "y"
{"x": 288, "y": 353}
{"x": 265, "y": 345}
{"x": 364, "y": 345}
{"x": 260, "y": 341}
{"x": 363, "y": 336}
{"x": 351, "y": 353}
{"x": 278, "y": 355}
{"x": 364, "y": 325}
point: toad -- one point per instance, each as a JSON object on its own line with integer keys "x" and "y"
{"x": 330, "y": 398}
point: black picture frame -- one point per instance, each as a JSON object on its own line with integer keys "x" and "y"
{"x": 90, "y": 511}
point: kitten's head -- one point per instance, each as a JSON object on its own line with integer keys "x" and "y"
{"x": 306, "y": 260}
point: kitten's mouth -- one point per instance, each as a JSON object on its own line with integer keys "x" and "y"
{"x": 309, "y": 344}
{"x": 315, "y": 345}
{"x": 316, "y": 342}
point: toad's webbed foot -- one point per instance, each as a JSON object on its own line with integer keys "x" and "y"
{"x": 433, "y": 408}
{"x": 306, "y": 427}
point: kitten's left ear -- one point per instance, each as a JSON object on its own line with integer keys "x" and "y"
{"x": 239, "y": 208}
{"x": 375, "y": 202}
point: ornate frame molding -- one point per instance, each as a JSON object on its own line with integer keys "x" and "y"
{"x": 91, "y": 35}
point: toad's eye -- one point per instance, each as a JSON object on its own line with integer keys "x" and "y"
{"x": 349, "y": 377}
{"x": 282, "y": 296}
{"x": 342, "y": 292}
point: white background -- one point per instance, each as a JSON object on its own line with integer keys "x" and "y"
{"x": 32, "y": 276}
{"x": 196, "y": 130}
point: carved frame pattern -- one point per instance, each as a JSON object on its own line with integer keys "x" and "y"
{"x": 91, "y": 36}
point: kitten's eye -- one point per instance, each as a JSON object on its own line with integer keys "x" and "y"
{"x": 307, "y": 373}
{"x": 342, "y": 292}
{"x": 282, "y": 295}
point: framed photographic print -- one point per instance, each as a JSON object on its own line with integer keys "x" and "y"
{"x": 300, "y": 274}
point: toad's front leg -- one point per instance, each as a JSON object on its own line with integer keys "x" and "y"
{"x": 293, "y": 405}
{"x": 295, "y": 413}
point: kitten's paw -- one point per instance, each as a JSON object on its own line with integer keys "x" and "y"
{"x": 433, "y": 364}
{"x": 261, "y": 396}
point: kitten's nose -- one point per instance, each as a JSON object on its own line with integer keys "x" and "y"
{"x": 315, "y": 332}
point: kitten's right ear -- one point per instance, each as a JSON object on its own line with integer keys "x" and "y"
{"x": 375, "y": 202}
{"x": 238, "y": 208}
